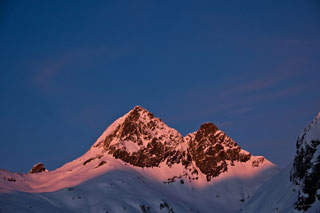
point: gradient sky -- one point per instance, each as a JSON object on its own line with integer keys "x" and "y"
{"x": 68, "y": 69}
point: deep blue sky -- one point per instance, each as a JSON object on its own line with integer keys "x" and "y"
{"x": 68, "y": 69}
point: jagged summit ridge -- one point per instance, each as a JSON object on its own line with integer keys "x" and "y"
{"x": 141, "y": 139}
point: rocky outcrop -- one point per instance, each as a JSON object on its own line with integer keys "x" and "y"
{"x": 39, "y": 167}
{"x": 305, "y": 173}
{"x": 211, "y": 149}
{"x": 143, "y": 140}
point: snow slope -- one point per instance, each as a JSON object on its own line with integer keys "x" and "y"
{"x": 139, "y": 164}
{"x": 296, "y": 188}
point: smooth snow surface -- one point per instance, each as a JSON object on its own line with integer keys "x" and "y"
{"x": 127, "y": 189}
{"x": 274, "y": 196}
{"x": 279, "y": 194}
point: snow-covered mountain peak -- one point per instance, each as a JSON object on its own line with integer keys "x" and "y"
{"x": 139, "y": 163}
{"x": 141, "y": 139}
{"x": 305, "y": 172}
{"x": 208, "y": 128}
{"x": 136, "y": 123}
{"x": 140, "y": 110}
{"x": 213, "y": 151}
{"x": 137, "y": 113}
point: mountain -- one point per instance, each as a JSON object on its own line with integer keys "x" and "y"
{"x": 296, "y": 188}
{"x": 139, "y": 164}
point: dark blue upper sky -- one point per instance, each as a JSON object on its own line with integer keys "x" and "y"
{"x": 68, "y": 69}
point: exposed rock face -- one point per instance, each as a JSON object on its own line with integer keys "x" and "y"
{"x": 145, "y": 141}
{"x": 305, "y": 173}
{"x": 37, "y": 168}
{"x": 210, "y": 148}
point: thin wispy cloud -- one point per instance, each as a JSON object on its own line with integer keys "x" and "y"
{"x": 242, "y": 110}
{"x": 47, "y": 71}
{"x": 283, "y": 73}
{"x": 243, "y": 96}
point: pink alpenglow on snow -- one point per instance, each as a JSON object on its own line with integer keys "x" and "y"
{"x": 151, "y": 164}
